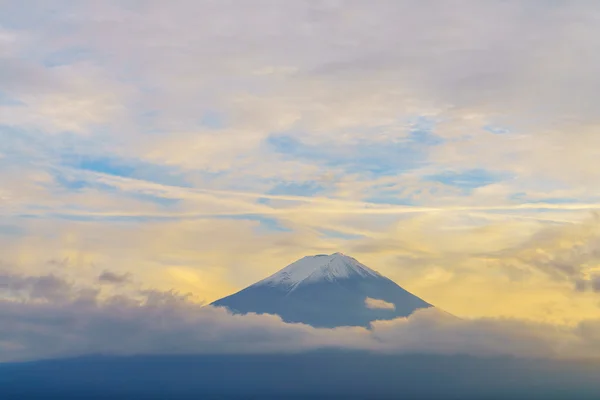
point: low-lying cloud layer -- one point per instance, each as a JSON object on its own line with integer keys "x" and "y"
{"x": 35, "y": 323}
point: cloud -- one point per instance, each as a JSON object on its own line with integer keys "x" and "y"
{"x": 592, "y": 284}
{"x": 111, "y": 277}
{"x": 379, "y": 304}
{"x": 48, "y": 287}
{"x": 454, "y": 147}
{"x": 596, "y": 283}
{"x": 155, "y": 322}
{"x": 563, "y": 252}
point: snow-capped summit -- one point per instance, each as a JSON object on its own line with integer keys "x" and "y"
{"x": 325, "y": 291}
{"x": 317, "y": 268}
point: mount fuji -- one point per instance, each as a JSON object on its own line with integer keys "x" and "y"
{"x": 325, "y": 291}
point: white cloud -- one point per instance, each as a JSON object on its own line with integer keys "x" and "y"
{"x": 379, "y": 304}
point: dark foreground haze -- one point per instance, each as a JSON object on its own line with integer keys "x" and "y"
{"x": 318, "y": 375}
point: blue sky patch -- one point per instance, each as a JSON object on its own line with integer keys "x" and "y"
{"x": 522, "y": 197}
{"x": 76, "y": 184}
{"x": 65, "y": 57}
{"x": 11, "y": 230}
{"x": 379, "y": 159}
{"x": 114, "y": 218}
{"x": 106, "y": 165}
{"x": 296, "y": 189}
{"x": 496, "y": 130}
{"x": 422, "y": 132}
{"x": 389, "y": 198}
{"x": 150, "y": 198}
{"x": 213, "y": 120}
{"x": 468, "y": 179}
{"x": 267, "y": 223}
{"x": 128, "y": 169}
{"x": 71, "y": 183}
{"x": 263, "y": 200}
{"x": 425, "y": 137}
{"x": 329, "y": 233}
{"x": 6, "y": 100}
{"x": 159, "y": 200}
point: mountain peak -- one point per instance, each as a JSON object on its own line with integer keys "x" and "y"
{"x": 321, "y": 267}
{"x": 325, "y": 290}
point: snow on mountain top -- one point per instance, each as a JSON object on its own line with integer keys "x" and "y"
{"x": 321, "y": 267}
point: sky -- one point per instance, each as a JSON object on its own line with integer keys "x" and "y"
{"x": 183, "y": 150}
